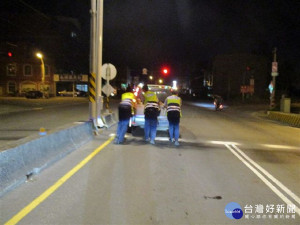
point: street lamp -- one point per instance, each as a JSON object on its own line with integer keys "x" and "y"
{"x": 40, "y": 56}
{"x": 160, "y": 81}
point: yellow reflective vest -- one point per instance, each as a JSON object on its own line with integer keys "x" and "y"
{"x": 150, "y": 96}
{"x": 128, "y": 98}
{"x": 173, "y": 103}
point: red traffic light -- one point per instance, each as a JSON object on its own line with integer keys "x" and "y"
{"x": 9, "y": 54}
{"x": 165, "y": 71}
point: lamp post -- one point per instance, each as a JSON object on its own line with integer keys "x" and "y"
{"x": 40, "y": 56}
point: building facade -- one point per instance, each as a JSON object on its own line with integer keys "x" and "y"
{"x": 231, "y": 72}
{"x": 58, "y": 39}
{"x": 21, "y": 71}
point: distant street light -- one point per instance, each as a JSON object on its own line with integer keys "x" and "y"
{"x": 160, "y": 81}
{"x": 151, "y": 77}
{"x": 40, "y": 56}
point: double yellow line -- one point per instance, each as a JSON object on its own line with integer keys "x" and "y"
{"x": 26, "y": 210}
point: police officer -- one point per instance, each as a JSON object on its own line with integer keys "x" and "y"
{"x": 173, "y": 105}
{"x": 151, "y": 112}
{"x": 126, "y": 110}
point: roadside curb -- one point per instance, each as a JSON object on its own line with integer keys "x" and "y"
{"x": 289, "y": 118}
{"x": 19, "y": 163}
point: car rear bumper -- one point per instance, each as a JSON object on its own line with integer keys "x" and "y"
{"x": 139, "y": 121}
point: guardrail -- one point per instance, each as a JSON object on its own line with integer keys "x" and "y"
{"x": 289, "y": 118}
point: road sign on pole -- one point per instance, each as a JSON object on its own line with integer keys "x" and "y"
{"x": 274, "y": 72}
{"x": 273, "y": 83}
{"x": 274, "y": 67}
{"x": 108, "y": 71}
{"x": 144, "y": 71}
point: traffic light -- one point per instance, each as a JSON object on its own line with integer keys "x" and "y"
{"x": 165, "y": 71}
{"x": 9, "y": 54}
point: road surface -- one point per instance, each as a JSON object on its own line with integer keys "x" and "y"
{"x": 224, "y": 157}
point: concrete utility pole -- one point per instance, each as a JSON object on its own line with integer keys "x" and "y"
{"x": 92, "y": 95}
{"x": 99, "y": 39}
{"x": 96, "y": 104}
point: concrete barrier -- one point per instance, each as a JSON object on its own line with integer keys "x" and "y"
{"x": 289, "y": 118}
{"x": 34, "y": 154}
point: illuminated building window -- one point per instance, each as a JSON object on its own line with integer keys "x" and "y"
{"x": 11, "y": 70}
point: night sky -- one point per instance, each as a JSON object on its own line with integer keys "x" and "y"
{"x": 148, "y": 33}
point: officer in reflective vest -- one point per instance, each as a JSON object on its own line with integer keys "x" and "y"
{"x": 126, "y": 110}
{"x": 173, "y": 105}
{"x": 151, "y": 112}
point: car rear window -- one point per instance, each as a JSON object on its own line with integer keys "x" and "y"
{"x": 162, "y": 91}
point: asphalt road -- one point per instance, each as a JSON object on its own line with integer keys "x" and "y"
{"x": 229, "y": 156}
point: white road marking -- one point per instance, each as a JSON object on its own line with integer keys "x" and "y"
{"x": 246, "y": 160}
{"x": 266, "y": 173}
{"x": 281, "y": 147}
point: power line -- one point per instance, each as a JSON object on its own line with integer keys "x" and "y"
{"x": 35, "y": 10}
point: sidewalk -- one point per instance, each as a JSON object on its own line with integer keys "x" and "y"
{"x": 19, "y": 104}
{"x": 6, "y": 109}
{"x": 263, "y": 111}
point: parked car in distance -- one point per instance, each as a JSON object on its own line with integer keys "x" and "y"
{"x": 33, "y": 94}
{"x": 68, "y": 93}
{"x": 82, "y": 94}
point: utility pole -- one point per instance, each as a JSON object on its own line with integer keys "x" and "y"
{"x": 274, "y": 74}
{"x": 99, "y": 39}
{"x": 95, "y": 82}
{"x": 92, "y": 75}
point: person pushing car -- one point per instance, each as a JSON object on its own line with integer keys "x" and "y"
{"x": 126, "y": 110}
{"x": 173, "y": 105}
{"x": 151, "y": 112}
